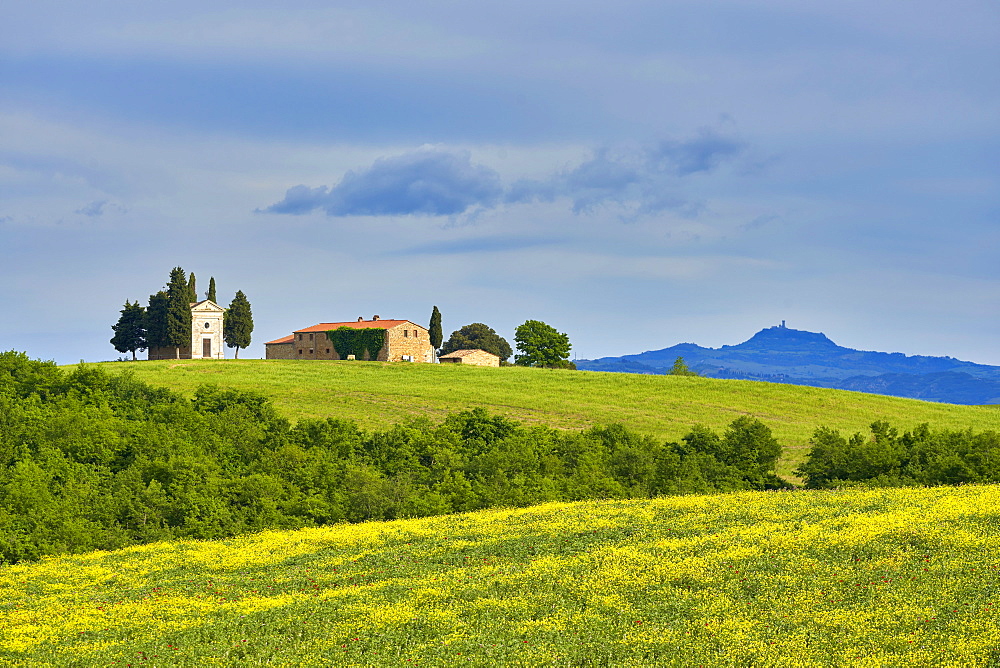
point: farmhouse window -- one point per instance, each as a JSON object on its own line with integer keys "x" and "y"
{"x": 300, "y": 351}
{"x": 310, "y": 336}
{"x": 327, "y": 351}
{"x": 406, "y": 333}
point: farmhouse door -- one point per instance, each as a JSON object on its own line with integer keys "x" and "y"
{"x": 206, "y": 347}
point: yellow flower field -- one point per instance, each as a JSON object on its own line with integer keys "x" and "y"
{"x": 849, "y": 578}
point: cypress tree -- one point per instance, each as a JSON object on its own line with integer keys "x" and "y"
{"x": 178, "y": 330}
{"x": 130, "y": 330}
{"x": 192, "y": 289}
{"x": 211, "y": 290}
{"x": 238, "y": 323}
{"x": 156, "y": 320}
{"x": 435, "y": 329}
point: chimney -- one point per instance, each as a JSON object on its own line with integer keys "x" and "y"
{"x": 360, "y": 319}
{"x": 374, "y": 318}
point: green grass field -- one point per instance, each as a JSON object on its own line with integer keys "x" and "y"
{"x": 888, "y": 578}
{"x": 376, "y": 394}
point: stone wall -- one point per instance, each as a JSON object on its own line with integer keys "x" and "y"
{"x": 279, "y": 351}
{"x": 168, "y": 353}
{"x": 408, "y": 340}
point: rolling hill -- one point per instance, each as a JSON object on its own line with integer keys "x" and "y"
{"x": 887, "y": 577}
{"x": 784, "y": 355}
{"x": 375, "y": 394}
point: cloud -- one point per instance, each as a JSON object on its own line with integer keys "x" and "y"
{"x": 99, "y": 208}
{"x": 432, "y": 182}
{"x": 93, "y": 209}
{"x": 646, "y": 179}
{"x": 701, "y": 154}
{"x": 425, "y": 182}
{"x": 479, "y": 245}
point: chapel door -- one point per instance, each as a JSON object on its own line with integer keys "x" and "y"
{"x": 206, "y": 348}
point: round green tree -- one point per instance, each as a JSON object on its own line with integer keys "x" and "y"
{"x": 130, "y": 330}
{"x": 541, "y": 345}
{"x": 478, "y": 336}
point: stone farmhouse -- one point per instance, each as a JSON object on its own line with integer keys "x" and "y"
{"x": 405, "y": 341}
{"x": 206, "y": 335}
{"x": 475, "y": 357}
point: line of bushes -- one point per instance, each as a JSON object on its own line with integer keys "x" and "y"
{"x": 888, "y": 458}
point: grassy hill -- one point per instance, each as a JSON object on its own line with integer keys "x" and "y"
{"x": 850, "y": 578}
{"x": 374, "y": 394}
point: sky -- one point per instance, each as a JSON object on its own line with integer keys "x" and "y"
{"x": 635, "y": 174}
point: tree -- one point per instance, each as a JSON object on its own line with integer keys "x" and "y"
{"x": 478, "y": 336}
{"x": 192, "y": 289}
{"x": 541, "y": 345}
{"x": 681, "y": 369}
{"x": 156, "y": 320}
{"x": 210, "y": 295}
{"x": 435, "y": 329}
{"x": 178, "y": 329}
{"x": 238, "y": 323}
{"x": 130, "y": 330}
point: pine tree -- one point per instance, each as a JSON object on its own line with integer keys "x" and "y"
{"x": 238, "y": 323}
{"x": 178, "y": 329}
{"x": 211, "y": 290}
{"x": 156, "y": 320}
{"x": 130, "y": 330}
{"x": 680, "y": 368}
{"x": 435, "y": 329}
{"x": 192, "y": 289}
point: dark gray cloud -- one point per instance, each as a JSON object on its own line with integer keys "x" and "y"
{"x": 430, "y": 183}
{"x": 439, "y": 183}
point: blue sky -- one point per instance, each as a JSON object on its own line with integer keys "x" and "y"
{"x": 636, "y": 175}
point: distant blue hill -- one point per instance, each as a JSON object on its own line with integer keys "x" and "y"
{"x": 783, "y": 355}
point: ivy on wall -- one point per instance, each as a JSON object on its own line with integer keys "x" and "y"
{"x": 349, "y": 341}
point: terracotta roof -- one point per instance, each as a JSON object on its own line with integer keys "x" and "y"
{"x": 463, "y": 353}
{"x": 356, "y": 324}
{"x": 284, "y": 339}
